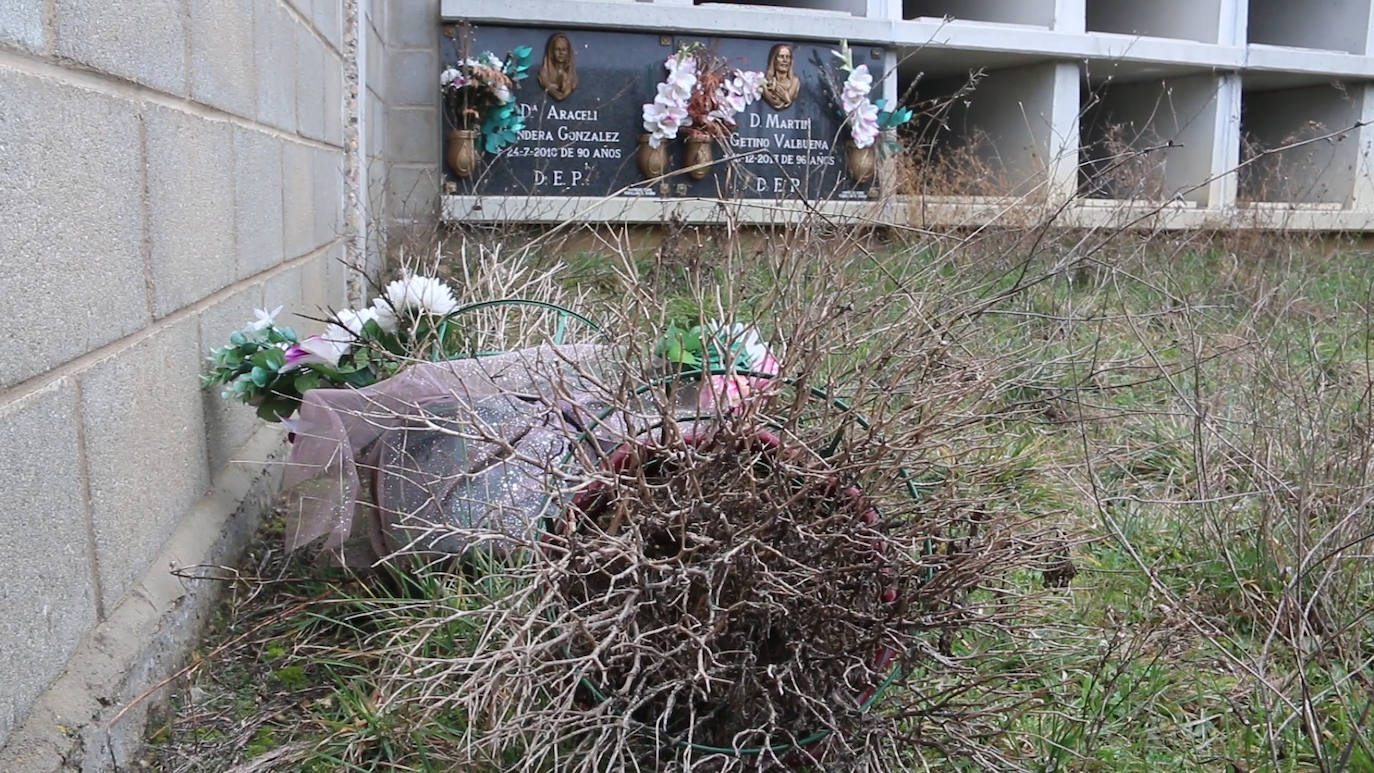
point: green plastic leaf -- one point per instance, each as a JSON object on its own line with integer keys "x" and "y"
{"x": 237, "y": 338}
{"x": 306, "y": 381}
{"x": 260, "y": 376}
{"x": 276, "y": 408}
{"x": 270, "y": 359}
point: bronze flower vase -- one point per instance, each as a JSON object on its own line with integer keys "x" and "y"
{"x": 861, "y": 162}
{"x": 699, "y": 155}
{"x": 653, "y": 161}
{"x": 461, "y": 153}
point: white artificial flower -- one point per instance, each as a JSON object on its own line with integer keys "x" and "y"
{"x": 410, "y": 293}
{"x": 682, "y": 76}
{"x": 662, "y": 119}
{"x": 449, "y": 75}
{"x": 265, "y": 319}
{"x": 750, "y": 83}
{"x": 314, "y": 350}
{"x": 354, "y": 320}
{"x": 856, "y": 89}
{"x": 490, "y": 60}
{"x": 502, "y": 93}
{"x": 859, "y": 79}
{"x": 863, "y": 125}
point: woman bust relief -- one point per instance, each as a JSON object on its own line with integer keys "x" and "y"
{"x": 558, "y": 73}
{"x": 783, "y": 84}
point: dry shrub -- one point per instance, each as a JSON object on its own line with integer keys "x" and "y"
{"x": 728, "y": 593}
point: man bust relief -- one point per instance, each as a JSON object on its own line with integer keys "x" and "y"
{"x": 558, "y": 73}
{"x": 782, "y": 85}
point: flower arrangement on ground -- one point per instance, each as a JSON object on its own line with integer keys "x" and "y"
{"x": 268, "y": 366}
{"x": 748, "y": 364}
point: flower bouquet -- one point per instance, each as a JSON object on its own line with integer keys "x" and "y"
{"x": 865, "y": 118}
{"x": 733, "y": 360}
{"x": 479, "y": 97}
{"x": 701, "y": 96}
{"x": 266, "y": 365}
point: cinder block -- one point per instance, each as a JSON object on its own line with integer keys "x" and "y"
{"x": 143, "y": 41}
{"x": 228, "y": 423}
{"x": 315, "y": 287}
{"x": 413, "y": 24}
{"x": 257, "y": 201}
{"x": 376, "y": 17}
{"x": 329, "y": 21}
{"x": 376, "y": 60}
{"x": 145, "y": 446}
{"x": 49, "y": 601}
{"x": 333, "y": 99}
{"x": 274, "y": 54}
{"x": 413, "y": 78}
{"x": 284, "y": 290}
{"x": 412, "y": 135}
{"x": 63, "y": 222}
{"x": 298, "y": 205}
{"x": 376, "y": 126}
{"x": 222, "y": 55}
{"x": 328, "y": 188}
{"x": 413, "y": 193}
{"x": 310, "y": 75}
{"x": 21, "y": 24}
{"x": 336, "y": 276}
{"x": 190, "y": 198}
{"x": 377, "y": 184}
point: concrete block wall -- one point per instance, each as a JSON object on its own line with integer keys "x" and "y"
{"x": 167, "y": 166}
{"x": 410, "y": 142}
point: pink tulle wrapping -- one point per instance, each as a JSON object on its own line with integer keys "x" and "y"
{"x": 336, "y": 431}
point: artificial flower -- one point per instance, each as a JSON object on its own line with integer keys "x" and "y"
{"x": 265, "y": 319}
{"x": 315, "y": 350}
{"x": 412, "y": 294}
{"x": 354, "y": 320}
{"x": 856, "y": 89}
{"x": 452, "y": 77}
{"x": 863, "y": 125}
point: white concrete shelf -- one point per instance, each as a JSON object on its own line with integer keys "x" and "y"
{"x": 1331, "y": 25}
{"x": 1299, "y": 145}
{"x": 1035, "y": 13}
{"x": 1196, "y": 20}
{"x": 1091, "y": 106}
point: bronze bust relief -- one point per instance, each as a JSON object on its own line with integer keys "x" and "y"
{"x": 783, "y": 85}
{"x": 558, "y": 73}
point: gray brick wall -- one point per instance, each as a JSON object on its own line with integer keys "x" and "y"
{"x": 169, "y": 165}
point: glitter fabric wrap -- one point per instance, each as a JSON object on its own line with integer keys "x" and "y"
{"x": 445, "y": 455}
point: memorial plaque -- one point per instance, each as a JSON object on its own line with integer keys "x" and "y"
{"x": 583, "y": 108}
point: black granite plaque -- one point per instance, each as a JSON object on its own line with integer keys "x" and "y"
{"x": 585, "y": 143}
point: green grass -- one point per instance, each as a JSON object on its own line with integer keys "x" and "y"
{"x": 1225, "y": 432}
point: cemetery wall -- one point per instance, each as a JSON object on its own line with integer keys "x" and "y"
{"x": 165, "y": 167}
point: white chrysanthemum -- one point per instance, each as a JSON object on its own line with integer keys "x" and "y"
{"x": 354, "y": 320}
{"x": 412, "y": 294}
{"x": 451, "y": 75}
{"x": 264, "y": 320}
